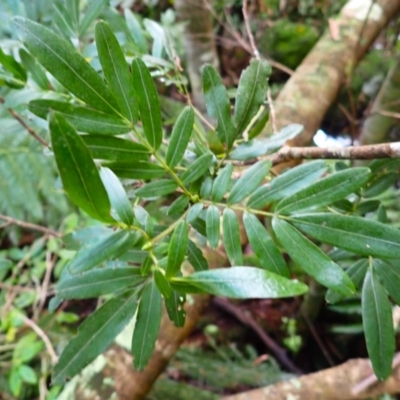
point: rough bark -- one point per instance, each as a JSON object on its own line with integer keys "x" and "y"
{"x": 200, "y": 46}
{"x": 315, "y": 84}
{"x": 336, "y": 383}
{"x": 379, "y": 122}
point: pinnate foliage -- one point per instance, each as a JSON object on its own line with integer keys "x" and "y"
{"x": 209, "y": 199}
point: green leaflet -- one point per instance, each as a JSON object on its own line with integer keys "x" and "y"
{"x": 196, "y": 258}
{"x": 78, "y": 172}
{"x": 136, "y": 170}
{"x": 218, "y": 105}
{"x": 62, "y": 19}
{"x": 115, "y": 149}
{"x": 82, "y": 118}
{"x": 212, "y": 226}
{"x": 197, "y": 169}
{"x": 259, "y": 147}
{"x": 389, "y": 274}
{"x": 180, "y": 136}
{"x": 109, "y": 247}
{"x": 162, "y": 283}
{"x": 35, "y": 69}
{"x": 149, "y": 104}
{"x": 147, "y": 325}
{"x": 177, "y": 249}
{"x": 287, "y": 184}
{"x": 92, "y": 12}
{"x": 13, "y": 67}
{"x": 312, "y": 259}
{"x": 249, "y": 181}
{"x": 116, "y": 71}
{"x": 194, "y": 212}
{"x": 221, "y": 183}
{"x": 380, "y": 184}
{"x": 356, "y": 273}
{"x": 98, "y": 282}
{"x": 73, "y": 11}
{"x": 251, "y": 93}
{"x": 231, "y": 237}
{"x": 135, "y": 30}
{"x": 175, "y": 308}
{"x": 120, "y": 204}
{"x": 66, "y": 65}
{"x": 356, "y": 234}
{"x": 241, "y": 283}
{"x": 206, "y": 187}
{"x": 263, "y": 246}
{"x": 158, "y": 188}
{"x": 144, "y": 219}
{"x": 378, "y": 325}
{"x": 95, "y": 334}
{"x": 326, "y": 191}
{"x": 179, "y": 205}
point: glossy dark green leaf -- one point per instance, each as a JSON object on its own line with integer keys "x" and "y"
{"x": 95, "y": 334}
{"x": 365, "y": 207}
{"x": 356, "y": 234}
{"x": 249, "y": 181}
{"x": 196, "y": 258}
{"x": 120, "y": 204}
{"x": 175, "y": 308}
{"x": 199, "y": 224}
{"x": 384, "y": 165}
{"x": 259, "y": 147}
{"x": 66, "y": 65}
{"x": 382, "y": 215}
{"x": 194, "y": 212}
{"x": 264, "y": 247}
{"x": 135, "y": 30}
{"x": 243, "y": 283}
{"x": 356, "y": 273}
{"x": 12, "y": 66}
{"x": 116, "y": 71}
{"x": 147, "y": 325}
{"x": 180, "y": 137}
{"x": 221, "y": 183}
{"x": 231, "y": 237}
{"x": 92, "y": 12}
{"x": 380, "y": 184}
{"x": 36, "y": 71}
{"x": 98, "y": 282}
{"x": 114, "y": 149}
{"x": 212, "y": 226}
{"x": 312, "y": 259}
{"x": 326, "y": 191}
{"x": 378, "y": 325}
{"x": 162, "y": 283}
{"x": 177, "y": 249}
{"x": 82, "y": 118}
{"x": 110, "y": 247}
{"x": 179, "y": 205}
{"x": 146, "y": 266}
{"x": 79, "y": 175}
{"x": 158, "y": 188}
{"x": 287, "y": 184}
{"x": 197, "y": 169}
{"x": 218, "y": 105}
{"x": 389, "y": 274}
{"x": 251, "y": 93}
{"x": 136, "y": 170}
{"x": 149, "y": 104}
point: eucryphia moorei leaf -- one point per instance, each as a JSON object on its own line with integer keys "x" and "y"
{"x": 147, "y": 325}
{"x": 79, "y": 175}
{"x": 66, "y": 65}
{"x": 231, "y": 237}
{"x": 378, "y": 325}
{"x": 177, "y": 249}
{"x": 212, "y": 226}
{"x": 221, "y": 183}
{"x": 95, "y": 334}
{"x": 312, "y": 259}
{"x": 148, "y": 102}
{"x": 116, "y": 71}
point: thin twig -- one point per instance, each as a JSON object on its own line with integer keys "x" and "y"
{"x": 18, "y": 288}
{"x": 28, "y": 225}
{"x": 248, "y": 30}
{"x": 247, "y": 320}
{"x": 50, "y": 262}
{"x": 24, "y": 124}
{"x": 39, "y": 331}
{"x": 367, "y": 152}
{"x": 272, "y": 110}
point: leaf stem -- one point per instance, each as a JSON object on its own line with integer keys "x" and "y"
{"x": 165, "y": 233}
